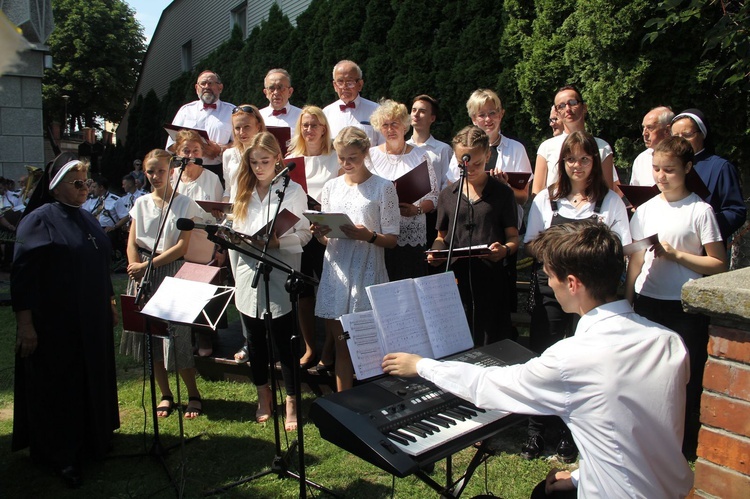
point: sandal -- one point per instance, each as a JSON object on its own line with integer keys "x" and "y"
{"x": 242, "y": 356}
{"x": 167, "y": 409}
{"x": 193, "y": 412}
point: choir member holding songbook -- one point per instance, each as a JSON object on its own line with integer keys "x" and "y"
{"x": 689, "y": 246}
{"x": 488, "y": 209}
{"x": 579, "y": 194}
{"x": 392, "y": 160}
{"x": 356, "y": 262}
{"x": 312, "y": 141}
{"x": 255, "y": 203}
{"x": 246, "y": 123}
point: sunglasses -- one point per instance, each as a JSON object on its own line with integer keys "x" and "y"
{"x": 78, "y": 184}
{"x": 245, "y": 109}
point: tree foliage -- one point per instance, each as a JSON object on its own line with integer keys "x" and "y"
{"x": 97, "y": 47}
{"x": 626, "y": 56}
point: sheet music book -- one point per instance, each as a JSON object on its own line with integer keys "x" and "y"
{"x": 283, "y": 135}
{"x": 285, "y": 221}
{"x": 518, "y": 180}
{"x": 640, "y": 245}
{"x": 465, "y": 252}
{"x": 414, "y": 184}
{"x": 332, "y": 220}
{"x": 173, "y": 129}
{"x": 215, "y": 205}
{"x": 639, "y": 194}
{"x": 695, "y": 183}
{"x": 422, "y": 316}
{"x": 184, "y": 302}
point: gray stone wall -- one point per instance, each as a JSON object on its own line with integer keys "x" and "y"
{"x": 21, "y": 127}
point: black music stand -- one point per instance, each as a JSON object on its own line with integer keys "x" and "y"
{"x": 266, "y": 263}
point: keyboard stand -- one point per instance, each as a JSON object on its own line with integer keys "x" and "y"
{"x": 453, "y": 490}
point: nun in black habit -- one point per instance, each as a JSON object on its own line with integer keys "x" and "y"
{"x": 65, "y": 406}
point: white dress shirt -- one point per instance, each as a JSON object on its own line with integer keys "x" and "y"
{"x": 358, "y": 117}
{"x": 216, "y": 122}
{"x": 289, "y": 119}
{"x": 643, "y": 169}
{"x": 619, "y": 385}
{"x": 250, "y": 301}
{"x": 443, "y": 153}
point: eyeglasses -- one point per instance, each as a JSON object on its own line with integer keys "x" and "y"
{"x": 346, "y": 83}
{"x": 78, "y": 184}
{"x": 584, "y": 161}
{"x": 244, "y": 109}
{"x": 393, "y": 125}
{"x": 652, "y": 128}
{"x": 686, "y": 135}
{"x": 207, "y": 83}
{"x": 572, "y": 103}
{"x": 310, "y": 126}
{"x": 276, "y": 88}
{"x": 553, "y": 120}
{"x": 491, "y": 115}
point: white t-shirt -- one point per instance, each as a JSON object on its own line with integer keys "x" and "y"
{"x": 230, "y": 161}
{"x": 207, "y": 187}
{"x": 318, "y": 171}
{"x": 643, "y": 169}
{"x": 613, "y": 213}
{"x": 147, "y": 216}
{"x": 550, "y": 151}
{"x": 687, "y": 225}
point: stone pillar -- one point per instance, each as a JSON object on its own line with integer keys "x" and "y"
{"x": 723, "y": 465}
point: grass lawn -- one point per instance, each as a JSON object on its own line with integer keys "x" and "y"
{"x": 231, "y": 446}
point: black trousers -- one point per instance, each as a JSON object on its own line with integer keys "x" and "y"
{"x": 258, "y": 349}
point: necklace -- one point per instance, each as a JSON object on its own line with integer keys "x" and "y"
{"x": 578, "y": 198}
{"x": 397, "y": 157}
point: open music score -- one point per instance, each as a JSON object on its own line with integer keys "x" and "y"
{"x": 422, "y": 316}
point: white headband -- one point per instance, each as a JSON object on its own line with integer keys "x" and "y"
{"x": 696, "y": 119}
{"x": 61, "y": 173}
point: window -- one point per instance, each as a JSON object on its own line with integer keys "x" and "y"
{"x": 187, "y": 56}
{"x": 238, "y": 17}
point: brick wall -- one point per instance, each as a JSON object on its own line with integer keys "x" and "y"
{"x": 723, "y": 465}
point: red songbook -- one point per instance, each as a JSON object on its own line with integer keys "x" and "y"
{"x": 638, "y": 194}
{"x": 414, "y": 184}
{"x": 285, "y": 221}
{"x": 518, "y": 180}
{"x": 297, "y": 173}
{"x": 283, "y": 135}
{"x": 173, "y": 129}
{"x": 199, "y": 273}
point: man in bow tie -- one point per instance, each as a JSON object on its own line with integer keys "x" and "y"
{"x": 351, "y": 109}
{"x": 277, "y": 87}
{"x": 211, "y": 114}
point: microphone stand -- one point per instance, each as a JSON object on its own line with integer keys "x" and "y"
{"x": 144, "y": 292}
{"x": 280, "y": 463}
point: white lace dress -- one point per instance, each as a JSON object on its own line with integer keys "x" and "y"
{"x": 413, "y": 229}
{"x": 350, "y": 266}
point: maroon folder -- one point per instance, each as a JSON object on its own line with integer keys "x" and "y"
{"x": 638, "y": 194}
{"x": 283, "y": 135}
{"x": 284, "y": 222}
{"x": 518, "y": 180}
{"x": 414, "y": 184}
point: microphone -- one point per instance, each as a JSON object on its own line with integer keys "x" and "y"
{"x": 179, "y": 161}
{"x": 283, "y": 173}
{"x": 187, "y": 224}
{"x": 464, "y": 161}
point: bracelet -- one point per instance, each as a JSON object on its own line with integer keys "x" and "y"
{"x": 374, "y": 236}
{"x": 507, "y": 250}
{"x": 419, "y": 209}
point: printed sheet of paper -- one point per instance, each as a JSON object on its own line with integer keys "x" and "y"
{"x": 364, "y": 344}
{"x": 444, "y": 315}
{"x": 179, "y": 300}
{"x": 399, "y": 318}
